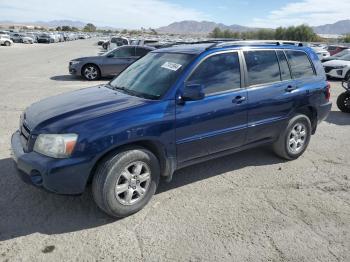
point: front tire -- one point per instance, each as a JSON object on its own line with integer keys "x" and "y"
{"x": 7, "y": 43}
{"x": 91, "y": 72}
{"x": 125, "y": 182}
{"x": 343, "y": 102}
{"x": 294, "y": 140}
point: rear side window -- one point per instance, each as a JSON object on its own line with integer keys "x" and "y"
{"x": 141, "y": 51}
{"x": 300, "y": 64}
{"x": 218, "y": 73}
{"x": 262, "y": 67}
{"x": 284, "y": 68}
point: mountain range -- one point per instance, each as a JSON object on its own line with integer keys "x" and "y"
{"x": 205, "y": 27}
{"x": 194, "y": 27}
{"x": 340, "y": 27}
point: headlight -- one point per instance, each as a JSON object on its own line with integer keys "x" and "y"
{"x": 339, "y": 67}
{"x": 55, "y": 145}
{"x": 73, "y": 62}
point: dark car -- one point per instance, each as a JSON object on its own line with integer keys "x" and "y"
{"x": 108, "y": 64}
{"x": 45, "y": 38}
{"x": 172, "y": 108}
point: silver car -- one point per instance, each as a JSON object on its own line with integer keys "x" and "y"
{"x": 111, "y": 63}
{"x": 21, "y": 38}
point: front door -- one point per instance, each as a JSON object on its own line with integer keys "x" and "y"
{"x": 118, "y": 60}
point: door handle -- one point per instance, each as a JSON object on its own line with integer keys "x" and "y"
{"x": 290, "y": 88}
{"x": 239, "y": 99}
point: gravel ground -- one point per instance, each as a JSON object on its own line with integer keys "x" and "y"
{"x": 250, "y": 206}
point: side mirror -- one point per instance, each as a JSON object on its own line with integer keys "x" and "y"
{"x": 193, "y": 92}
{"x": 110, "y": 55}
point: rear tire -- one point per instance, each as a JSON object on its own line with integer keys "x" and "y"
{"x": 343, "y": 102}
{"x": 125, "y": 182}
{"x": 294, "y": 140}
{"x": 7, "y": 43}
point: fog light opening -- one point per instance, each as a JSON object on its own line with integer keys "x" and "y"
{"x": 36, "y": 177}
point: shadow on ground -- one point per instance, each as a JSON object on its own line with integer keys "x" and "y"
{"x": 66, "y": 78}
{"x": 26, "y": 210}
{"x": 338, "y": 118}
{"x": 73, "y": 78}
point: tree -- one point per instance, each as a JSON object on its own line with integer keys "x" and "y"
{"x": 58, "y": 28}
{"x": 153, "y": 31}
{"x": 90, "y": 28}
{"x": 302, "y": 33}
{"x": 124, "y": 31}
{"x": 347, "y": 38}
{"x": 216, "y": 33}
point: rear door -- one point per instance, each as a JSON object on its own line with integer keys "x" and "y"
{"x": 272, "y": 93}
{"x": 217, "y": 122}
{"x": 122, "y": 57}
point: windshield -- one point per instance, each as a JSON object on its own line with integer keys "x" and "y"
{"x": 345, "y": 57}
{"x": 344, "y": 52}
{"x": 151, "y": 76}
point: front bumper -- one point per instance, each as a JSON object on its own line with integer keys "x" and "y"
{"x": 62, "y": 176}
{"x": 74, "y": 69}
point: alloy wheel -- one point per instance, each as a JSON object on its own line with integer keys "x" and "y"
{"x": 297, "y": 138}
{"x": 90, "y": 72}
{"x": 133, "y": 183}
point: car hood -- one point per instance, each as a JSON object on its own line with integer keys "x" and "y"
{"x": 337, "y": 63}
{"x": 74, "y": 107}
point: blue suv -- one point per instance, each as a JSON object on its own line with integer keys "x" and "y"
{"x": 174, "y": 107}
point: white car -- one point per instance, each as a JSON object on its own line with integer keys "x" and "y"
{"x": 338, "y": 68}
{"x": 321, "y": 53}
{"x": 5, "y": 40}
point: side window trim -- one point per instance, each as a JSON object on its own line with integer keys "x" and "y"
{"x": 279, "y": 64}
{"x": 241, "y": 68}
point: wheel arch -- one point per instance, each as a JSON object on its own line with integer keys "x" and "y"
{"x": 311, "y": 113}
{"x": 167, "y": 165}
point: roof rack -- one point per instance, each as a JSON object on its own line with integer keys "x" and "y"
{"x": 255, "y": 42}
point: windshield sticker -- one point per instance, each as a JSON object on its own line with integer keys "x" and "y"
{"x": 171, "y": 66}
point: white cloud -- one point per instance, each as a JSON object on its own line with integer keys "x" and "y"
{"x": 118, "y": 13}
{"x": 311, "y": 12}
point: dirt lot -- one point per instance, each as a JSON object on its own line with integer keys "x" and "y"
{"x": 250, "y": 206}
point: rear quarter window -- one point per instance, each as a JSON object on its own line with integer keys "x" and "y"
{"x": 300, "y": 64}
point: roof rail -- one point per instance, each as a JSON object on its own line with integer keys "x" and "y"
{"x": 255, "y": 42}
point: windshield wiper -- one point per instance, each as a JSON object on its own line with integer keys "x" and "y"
{"x": 132, "y": 92}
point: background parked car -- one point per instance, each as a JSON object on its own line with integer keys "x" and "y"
{"x": 33, "y": 36}
{"x": 5, "y": 40}
{"x": 45, "y": 38}
{"x": 338, "y": 68}
{"x": 108, "y": 64}
{"x": 21, "y": 38}
{"x": 337, "y": 56}
{"x": 335, "y": 49}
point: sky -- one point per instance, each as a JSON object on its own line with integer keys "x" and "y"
{"x": 134, "y": 14}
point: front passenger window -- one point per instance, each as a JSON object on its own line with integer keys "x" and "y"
{"x": 218, "y": 73}
{"x": 124, "y": 52}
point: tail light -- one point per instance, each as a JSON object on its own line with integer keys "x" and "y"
{"x": 328, "y": 91}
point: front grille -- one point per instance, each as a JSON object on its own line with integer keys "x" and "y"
{"x": 327, "y": 69}
{"x": 25, "y": 135}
